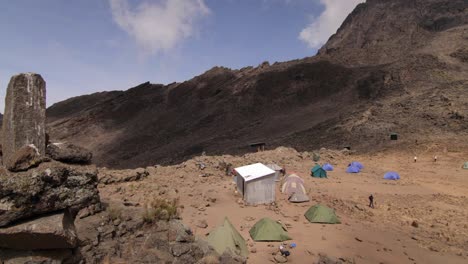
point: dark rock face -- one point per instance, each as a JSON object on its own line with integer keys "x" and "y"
{"x": 55, "y": 231}
{"x": 24, "y": 117}
{"x": 25, "y": 158}
{"x": 48, "y": 188}
{"x": 69, "y": 153}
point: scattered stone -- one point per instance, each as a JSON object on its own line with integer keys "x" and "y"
{"x": 24, "y": 116}
{"x": 414, "y": 224}
{"x": 357, "y": 239}
{"x": 107, "y": 176}
{"x": 180, "y": 249}
{"x": 202, "y": 224}
{"x": 253, "y": 250}
{"x": 280, "y": 259}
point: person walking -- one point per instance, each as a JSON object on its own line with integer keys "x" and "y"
{"x": 371, "y": 201}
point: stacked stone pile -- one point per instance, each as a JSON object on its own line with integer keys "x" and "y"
{"x": 42, "y": 186}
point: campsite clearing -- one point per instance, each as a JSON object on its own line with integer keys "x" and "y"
{"x": 434, "y": 195}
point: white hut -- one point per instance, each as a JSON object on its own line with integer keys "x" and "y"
{"x": 256, "y": 183}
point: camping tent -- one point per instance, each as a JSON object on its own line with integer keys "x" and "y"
{"x": 327, "y": 167}
{"x": 298, "y": 198}
{"x": 293, "y": 184}
{"x": 318, "y": 172}
{"x": 356, "y": 164}
{"x": 267, "y": 229}
{"x": 391, "y": 175}
{"x": 353, "y": 169}
{"x": 226, "y": 237}
{"x": 321, "y": 214}
{"x": 465, "y": 166}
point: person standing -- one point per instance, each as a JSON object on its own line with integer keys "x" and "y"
{"x": 371, "y": 201}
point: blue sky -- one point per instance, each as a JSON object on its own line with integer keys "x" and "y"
{"x": 85, "y": 46}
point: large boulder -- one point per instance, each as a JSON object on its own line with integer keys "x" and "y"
{"x": 24, "y": 117}
{"x": 48, "y": 188}
{"x": 69, "y": 153}
{"x": 25, "y": 158}
{"x": 54, "y": 231}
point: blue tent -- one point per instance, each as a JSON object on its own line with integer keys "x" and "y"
{"x": 356, "y": 164}
{"x": 327, "y": 167}
{"x": 353, "y": 169}
{"x": 391, "y": 175}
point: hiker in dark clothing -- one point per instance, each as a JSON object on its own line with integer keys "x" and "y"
{"x": 371, "y": 201}
{"x": 284, "y": 252}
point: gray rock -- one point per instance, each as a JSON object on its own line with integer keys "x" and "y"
{"x": 55, "y": 231}
{"x": 179, "y": 249}
{"x": 280, "y": 259}
{"x": 48, "y": 188}
{"x": 24, "y": 159}
{"x": 24, "y": 117}
{"x": 69, "y": 153}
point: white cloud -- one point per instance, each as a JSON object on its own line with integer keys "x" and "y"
{"x": 158, "y": 26}
{"x": 322, "y": 27}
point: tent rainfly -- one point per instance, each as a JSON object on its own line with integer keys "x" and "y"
{"x": 391, "y": 175}
{"x": 267, "y": 229}
{"x": 357, "y": 164}
{"x": 327, "y": 167}
{"x": 256, "y": 183}
{"x": 353, "y": 169}
{"x": 322, "y": 214}
{"x": 465, "y": 166}
{"x": 318, "y": 172}
{"x": 294, "y": 186}
{"x": 226, "y": 237}
{"x": 276, "y": 168}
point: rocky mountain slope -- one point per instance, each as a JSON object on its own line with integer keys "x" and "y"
{"x": 393, "y": 66}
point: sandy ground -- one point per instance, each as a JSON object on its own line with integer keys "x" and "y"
{"x": 432, "y": 194}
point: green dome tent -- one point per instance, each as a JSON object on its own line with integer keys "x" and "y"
{"x": 322, "y": 214}
{"x": 226, "y": 237}
{"x": 465, "y": 166}
{"x": 267, "y": 229}
{"x": 318, "y": 172}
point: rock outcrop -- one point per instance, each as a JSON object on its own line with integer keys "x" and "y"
{"x": 24, "y": 116}
{"x": 39, "y": 198}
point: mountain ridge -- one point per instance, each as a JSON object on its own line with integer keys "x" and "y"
{"x": 357, "y": 90}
